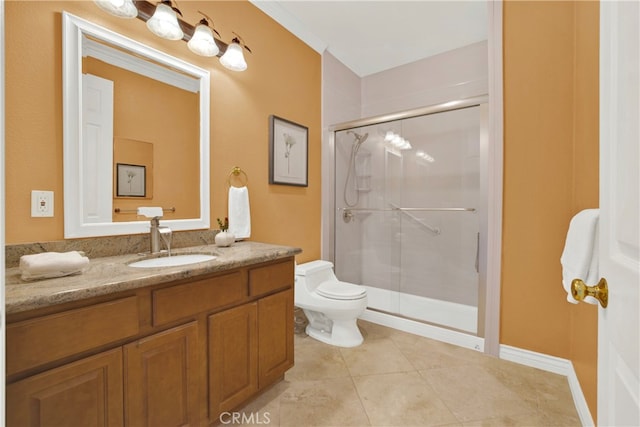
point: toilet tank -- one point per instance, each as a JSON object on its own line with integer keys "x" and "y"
{"x": 315, "y": 272}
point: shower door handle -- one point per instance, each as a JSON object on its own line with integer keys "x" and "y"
{"x": 478, "y": 252}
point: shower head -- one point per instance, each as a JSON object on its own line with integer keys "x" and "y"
{"x": 359, "y": 138}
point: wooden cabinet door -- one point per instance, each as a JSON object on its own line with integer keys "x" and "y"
{"x": 161, "y": 379}
{"x": 275, "y": 336}
{"x": 233, "y": 358}
{"x": 84, "y": 393}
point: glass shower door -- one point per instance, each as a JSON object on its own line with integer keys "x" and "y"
{"x": 407, "y": 196}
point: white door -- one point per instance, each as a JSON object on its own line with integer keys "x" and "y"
{"x": 619, "y": 323}
{"x": 97, "y": 149}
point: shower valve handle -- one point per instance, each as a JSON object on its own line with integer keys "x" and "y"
{"x": 347, "y": 215}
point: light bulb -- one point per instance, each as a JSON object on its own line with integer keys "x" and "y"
{"x": 164, "y": 23}
{"x": 120, "y": 8}
{"x": 202, "y": 42}
{"x": 233, "y": 58}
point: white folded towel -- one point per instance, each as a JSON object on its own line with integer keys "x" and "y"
{"x": 52, "y": 264}
{"x": 239, "y": 212}
{"x": 150, "y": 211}
{"x": 580, "y": 255}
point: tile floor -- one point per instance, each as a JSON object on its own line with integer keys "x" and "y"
{"x": 399, "y": 379}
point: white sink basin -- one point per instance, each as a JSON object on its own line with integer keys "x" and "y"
{"x": 172, "y": 261}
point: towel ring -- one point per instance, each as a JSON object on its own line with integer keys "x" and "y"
{"x": 236, "y": 172}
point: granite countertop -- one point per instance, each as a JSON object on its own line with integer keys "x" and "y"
{"x": 112, "y": 274}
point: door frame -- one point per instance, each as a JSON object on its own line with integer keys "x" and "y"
{"x": 618, "y": 364}
{"x": 495, "y": 172}
{"x": 2, "y": 224}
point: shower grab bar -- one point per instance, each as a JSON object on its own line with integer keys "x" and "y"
{"x": 416, "y": 220}
{"x": 395, "y": 209}
{"x": 347, "y": 213}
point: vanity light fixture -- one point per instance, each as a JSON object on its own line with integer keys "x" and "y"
{"x": 233, "y": 58}
{"x": 120, "y": 8}
{"x": 164, "y": 22}
{"x": 202, "y": 42}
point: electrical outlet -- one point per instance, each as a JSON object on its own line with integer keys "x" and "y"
{"x": 41, "y": 203}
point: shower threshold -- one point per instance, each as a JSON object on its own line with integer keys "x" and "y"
{"x": 459, "y": 317}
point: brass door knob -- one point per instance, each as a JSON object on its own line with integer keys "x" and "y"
{"x": 580, "y": 290}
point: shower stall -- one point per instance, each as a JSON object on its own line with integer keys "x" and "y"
{"x": 410, "y": 212}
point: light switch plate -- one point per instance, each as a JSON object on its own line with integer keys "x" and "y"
{"x": 41, "y": 203}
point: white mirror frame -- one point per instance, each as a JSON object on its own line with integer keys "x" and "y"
{"x": 73, "y": 29}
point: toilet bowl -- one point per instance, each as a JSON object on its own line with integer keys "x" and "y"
{"x": 331, "y": 306}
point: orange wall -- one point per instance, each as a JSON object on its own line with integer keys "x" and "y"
{"x": 550, "y": 173}
{"x": 284, "y": 78}
{"x": 583, "y": 318}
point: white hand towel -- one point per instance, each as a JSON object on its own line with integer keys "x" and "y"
{"x": 52, "y": 264}
{"x": 239, "y": 212}
{"x": 580, "y": 255}
{"x": 150, "y": 211}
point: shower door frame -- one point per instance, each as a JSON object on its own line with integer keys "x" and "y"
{"x": 487, "y": 290}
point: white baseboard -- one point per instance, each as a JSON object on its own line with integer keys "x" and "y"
{"x": 556, "y": 365}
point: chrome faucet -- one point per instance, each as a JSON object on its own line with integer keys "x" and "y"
{"x": 158, "y": 233}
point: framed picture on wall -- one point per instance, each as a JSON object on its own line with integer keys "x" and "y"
{"x": 131, "y": 180}
{"x": 288, "y": 152}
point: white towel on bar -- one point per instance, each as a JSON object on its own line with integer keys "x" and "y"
{"x": 580, "y": 255}
{"x": 52, "y": 264}
{"x": 239, "y": 212}
{"x": 150, "y": 211}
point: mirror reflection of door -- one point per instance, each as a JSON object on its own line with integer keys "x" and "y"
{"x": 155, "y": 125}
{"x": 97, "y": 155}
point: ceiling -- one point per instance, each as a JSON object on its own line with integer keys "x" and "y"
{"x": 372, "y": 36}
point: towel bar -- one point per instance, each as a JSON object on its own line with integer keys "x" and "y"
{"x": 118, "y": 210}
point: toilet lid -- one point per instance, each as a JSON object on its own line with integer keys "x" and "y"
{"x": 340, "y": 290}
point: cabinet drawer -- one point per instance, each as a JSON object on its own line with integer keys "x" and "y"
{"x": 34, "y": 342}
{"x": 271, "y": 278}
{"x": 180, "y": 301}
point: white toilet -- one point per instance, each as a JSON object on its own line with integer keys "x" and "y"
{"x": 331, "y": 306}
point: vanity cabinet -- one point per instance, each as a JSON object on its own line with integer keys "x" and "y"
{"x": 275, "y": 340}
{"x": 176, "y": 354}
{"x": 161, "y": 378}
{"x": 250, "y": 348}
{"x": 84, "y": 393}
{"x": 233, "y": 357}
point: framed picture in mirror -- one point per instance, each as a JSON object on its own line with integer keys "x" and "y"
{"x": 131, "y": 180}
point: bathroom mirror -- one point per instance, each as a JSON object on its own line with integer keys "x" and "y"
{"x": 93, "y": 204}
